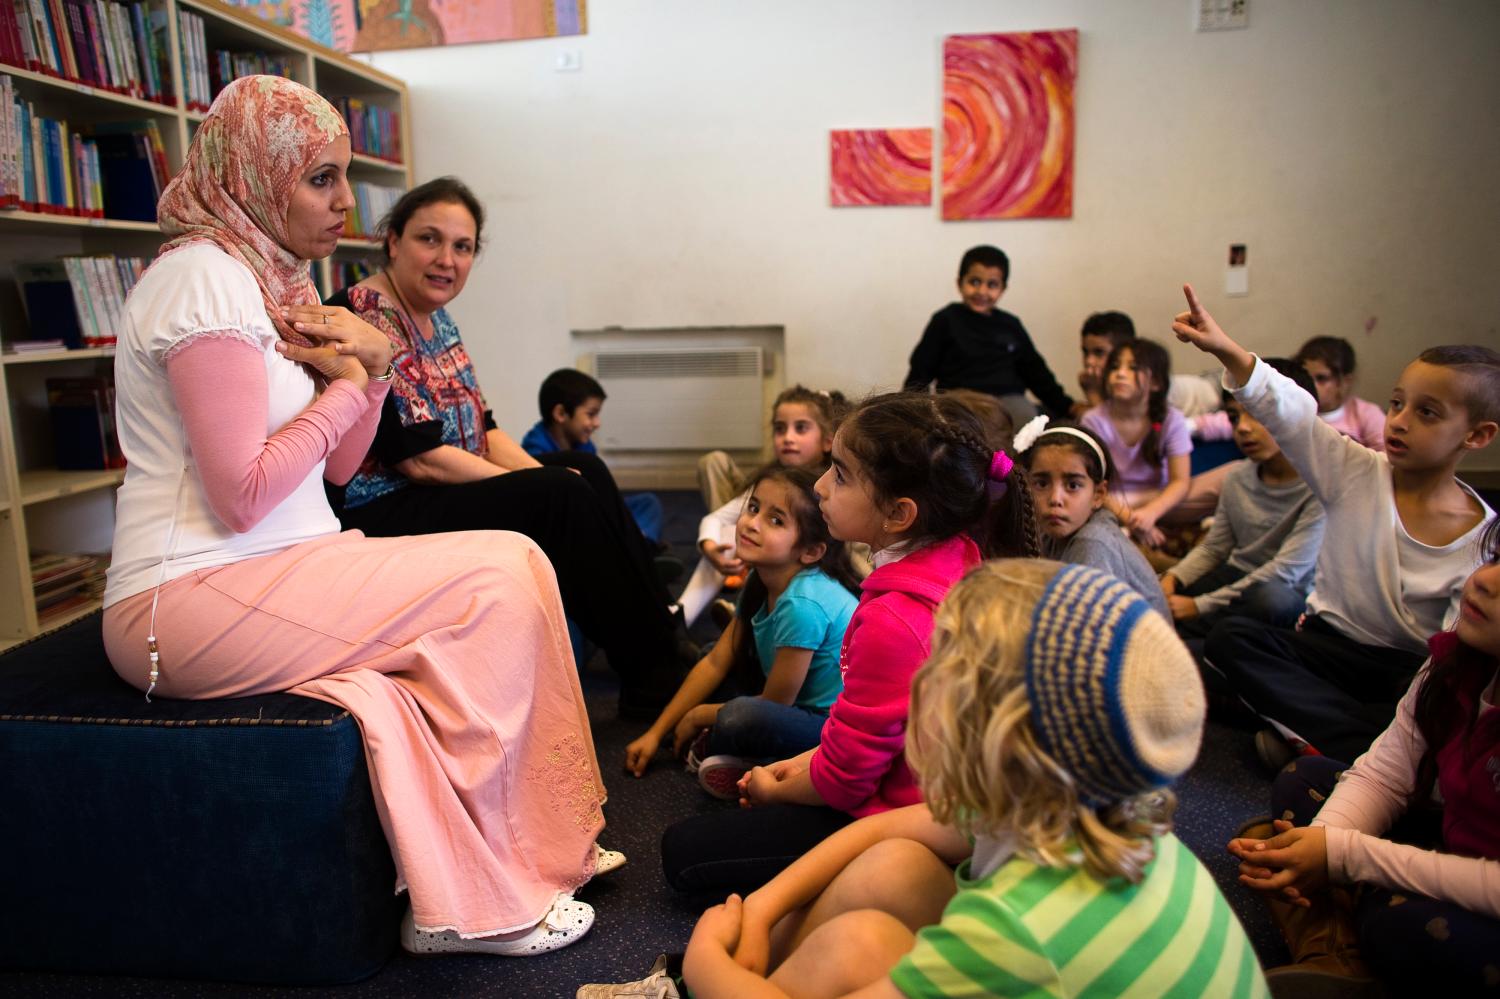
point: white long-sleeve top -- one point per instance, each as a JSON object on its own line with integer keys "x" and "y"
{"x": 1374, "y": 582}
{"x": 718, "y": 525}
{"x": 1376, "y": 791}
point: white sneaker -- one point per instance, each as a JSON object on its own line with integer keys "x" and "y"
{"x": 657, "y": 985}
{"x": 565, "y": 923}
{"x": 720, "y": 775}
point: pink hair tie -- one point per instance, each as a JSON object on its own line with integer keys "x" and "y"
{"x": 1000, "y": 466}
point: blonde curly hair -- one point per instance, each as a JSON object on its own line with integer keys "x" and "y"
{"x": 973, "y": 747}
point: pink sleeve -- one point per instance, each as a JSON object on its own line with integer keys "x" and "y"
{"x": 1371, "y": 423}
{"x": 1213, "y": 426}
{"x": 1370, "y": 796}
{"x": 1472, "y": 882}
{"x": 219, "y": 385}
{"x": 346, "y": 458}
{"x": 865, "y": 735}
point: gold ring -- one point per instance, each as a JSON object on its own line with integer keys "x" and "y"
{"x": 325, "y": 318}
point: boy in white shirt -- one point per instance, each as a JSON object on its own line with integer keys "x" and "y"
{"x": 1400, "y": 539}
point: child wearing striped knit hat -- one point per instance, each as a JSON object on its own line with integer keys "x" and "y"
{"x": 1046, "y": 728}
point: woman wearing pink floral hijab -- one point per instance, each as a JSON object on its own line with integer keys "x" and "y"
{"x": 238, "y": 394}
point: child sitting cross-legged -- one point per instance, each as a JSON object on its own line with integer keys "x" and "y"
{"x": 1257, "y": 559}
{"x": 1362, "y": 872}
{"x": 1148, "y": 442}
{"x": 791, "y": 617}
{"x": 803, "y": 422}
{"x": 571, "y": 402}
{"x": 1046, "y": 726}
{"x": 1070, "y": 470}
{"x": 915, "y": 478}
{"x": 1399, "y": 540}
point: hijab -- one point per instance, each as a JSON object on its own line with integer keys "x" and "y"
{"x": 261, "y": 135}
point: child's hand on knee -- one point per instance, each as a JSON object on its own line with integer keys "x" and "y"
{"x": 753, "y": 951}
{"x": 761, "y": 786}
{"x": 718, "y": 928}
{"x": 1293, "y": 863}
{"x": 638, "y": 754}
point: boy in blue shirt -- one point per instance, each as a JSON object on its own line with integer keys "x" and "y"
{"x": 570, "y": 403}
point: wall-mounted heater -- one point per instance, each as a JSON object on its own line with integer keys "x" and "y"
{"x": 696, "y": 398}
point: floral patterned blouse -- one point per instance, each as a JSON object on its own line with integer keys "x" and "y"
{"x": 434, "y": 398}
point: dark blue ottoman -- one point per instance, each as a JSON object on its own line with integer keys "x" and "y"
{"x": 234, "y": 840}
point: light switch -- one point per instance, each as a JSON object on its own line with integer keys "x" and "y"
{"x": 569, "y": 60}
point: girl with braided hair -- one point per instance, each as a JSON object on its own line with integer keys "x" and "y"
{"x": 913, "y": 477}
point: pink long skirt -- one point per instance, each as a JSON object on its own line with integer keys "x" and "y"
{"x": 452, "y": 653}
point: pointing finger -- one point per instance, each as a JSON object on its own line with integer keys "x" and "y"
{"x": 1194, "y": 306}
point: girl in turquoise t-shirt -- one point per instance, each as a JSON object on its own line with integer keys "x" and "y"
{"x": 783, "y": 642}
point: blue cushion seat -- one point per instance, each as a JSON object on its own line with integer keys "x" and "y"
{"x": 233, "y": 840}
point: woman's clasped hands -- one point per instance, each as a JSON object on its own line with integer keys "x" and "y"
{"x": 344, "y": 345}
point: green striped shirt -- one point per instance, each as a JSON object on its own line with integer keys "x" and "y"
{"x": 1046, "y": 931}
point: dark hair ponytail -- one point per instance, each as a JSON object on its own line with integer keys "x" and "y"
{"x": 932, "y": 449}
{"x": 811, "y": 530}
{"x": 1152, "y": 358}
{"x": 1451, "y": 688}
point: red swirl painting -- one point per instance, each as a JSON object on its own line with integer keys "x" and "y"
{"x": 885, "y": 166}
{"x": 1008, "y": 125}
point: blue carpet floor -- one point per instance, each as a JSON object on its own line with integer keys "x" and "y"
{"x": 639, "y": 916}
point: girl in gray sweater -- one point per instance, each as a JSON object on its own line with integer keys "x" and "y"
{"x": 1069, "y": 471}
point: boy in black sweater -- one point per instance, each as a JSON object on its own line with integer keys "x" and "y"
{"x": 973, "y": 345}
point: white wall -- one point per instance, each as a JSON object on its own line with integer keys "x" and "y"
{"x": 681, "y": 178}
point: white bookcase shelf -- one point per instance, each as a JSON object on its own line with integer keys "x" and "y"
{"x": 42, "y": 508}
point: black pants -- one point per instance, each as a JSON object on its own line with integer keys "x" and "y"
{"x": 1330, "y": 690}
{"x": 579, "y": 520}
{"x": 738, "y": 850}
{"x": 1414, "y": 944}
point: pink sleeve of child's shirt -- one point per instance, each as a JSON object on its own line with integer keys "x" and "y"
{"x": 1370, "y": 796}
{"x": 219, "y": 385}
{"x": 1369, "y": 423}
{"x": 865, "y": 735}
{"x": 1214, "y": 426}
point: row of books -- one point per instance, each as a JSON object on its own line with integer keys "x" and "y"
{"x": 373, "y": 130}
{"x": 371, "y": 203}
{"x": 79, "y": 300}
{"x": 114, "y": 46}
{"x": 224, "y": 67}
{"x": 115, "y": 170}
{"x": 347, "y": 273}
{"x": 65, "y": 582}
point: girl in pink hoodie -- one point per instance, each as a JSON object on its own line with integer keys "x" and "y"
{"x": 912, "y": 477}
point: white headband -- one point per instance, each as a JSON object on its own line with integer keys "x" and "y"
{"x": 1037, "y": 428}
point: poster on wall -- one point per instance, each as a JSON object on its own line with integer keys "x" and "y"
{"x": 1008, "y": 125}
{"x": 378, "y": 25}
{"x": 880, "y": 166}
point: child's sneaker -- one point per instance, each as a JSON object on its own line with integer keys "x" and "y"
{"x": 697, "y": 750}
{"x": 657, "y": 985}
{"x": 720, "y": 775}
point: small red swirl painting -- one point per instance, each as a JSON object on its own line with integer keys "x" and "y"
{"x": 881, "y": 166}
{"x": 1008, "y": 125}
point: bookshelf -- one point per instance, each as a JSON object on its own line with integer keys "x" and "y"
{"x": 42, "y": 508}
